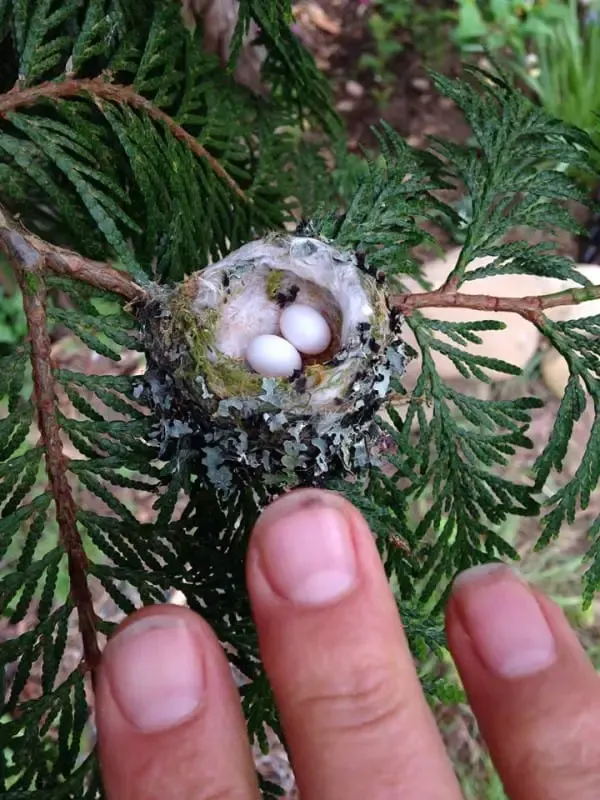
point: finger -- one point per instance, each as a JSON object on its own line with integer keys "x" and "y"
{"x": 355, "y": 719}
{"x": 534, "y": 692}
{"x": 169, "y": 718}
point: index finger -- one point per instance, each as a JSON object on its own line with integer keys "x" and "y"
{"x": 355, "y": 718}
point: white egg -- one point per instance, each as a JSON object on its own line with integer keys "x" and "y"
{"x": 305, "y": 328}
{"x": 273, "y": 356}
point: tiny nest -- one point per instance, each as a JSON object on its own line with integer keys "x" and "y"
{"x": 229, "y": 424}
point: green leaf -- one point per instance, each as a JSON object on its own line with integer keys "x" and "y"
{"x": 470, "y": 21}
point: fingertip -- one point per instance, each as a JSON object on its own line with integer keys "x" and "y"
{"x": 302, "y": 500}
{"x": 310, "y": 547}
{"x": 168, "y": 713}
{"x": 496, "y": 622}
{"x": 335, "y": 652}
{"x": 154, "y": 668}
{"x": 530, "y": 684}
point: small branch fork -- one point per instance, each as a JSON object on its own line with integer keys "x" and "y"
{"x": 102, "y": 89}
{"x": 29, "y": 264}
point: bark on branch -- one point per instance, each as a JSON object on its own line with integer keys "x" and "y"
{"x": 101, "y": 89}
{"x": 14, "y": 241}
{"x": 531, "y": 307}
{"x": 29, "y": 264}
{"x": 101, "y": 275}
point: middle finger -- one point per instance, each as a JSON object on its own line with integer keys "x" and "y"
{"x": 354, "y": 715}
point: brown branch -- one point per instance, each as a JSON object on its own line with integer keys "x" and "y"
{"x": 530, "y": 307}
{"x": 29, "y": 267}
{"x": 95, "y": 273}
{"x": 102, "y": 89}
{"x": 66, "y": 262}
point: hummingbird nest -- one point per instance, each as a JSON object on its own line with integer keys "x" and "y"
{"x": 228, "y": 424}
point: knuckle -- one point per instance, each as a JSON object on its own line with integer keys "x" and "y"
{"x": 366, "y": 699}
{"x": 563, "y": 755}
{"x": 155, "y": 780}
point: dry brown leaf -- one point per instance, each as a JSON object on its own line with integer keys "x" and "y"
{"x": 314, "y": 15}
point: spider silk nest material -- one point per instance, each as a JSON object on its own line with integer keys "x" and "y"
{"x": 228, "y": 424}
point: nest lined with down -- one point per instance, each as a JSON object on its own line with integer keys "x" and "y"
{"x": 234, "y": 424}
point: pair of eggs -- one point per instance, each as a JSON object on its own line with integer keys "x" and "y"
{"x": 303, "y": 331}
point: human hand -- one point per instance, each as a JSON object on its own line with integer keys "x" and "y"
{"x": 356, "y": 722}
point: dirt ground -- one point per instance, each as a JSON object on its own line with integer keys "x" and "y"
{"x": 337, "y": 33}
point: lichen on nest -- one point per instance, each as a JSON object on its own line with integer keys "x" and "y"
{"x": 229, "y": 424}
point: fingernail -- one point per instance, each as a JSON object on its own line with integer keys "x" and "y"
{"x": 307, "y": 554}
{"x": 155, "y": 672}
{"x": 504, "y": 621}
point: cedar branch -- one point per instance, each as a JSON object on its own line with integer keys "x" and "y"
{"x": 101, "y": 89}
{"x": 531, "y": 307}
{"x": 67, "y": 263}
{"x": 29, "y": 265}
{"x": 101, "y": 275}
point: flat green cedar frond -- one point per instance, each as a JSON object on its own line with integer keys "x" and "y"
{"x": 103, "y": 187}
{"x": 288, "y": 68}
{"x": 591, "y": 578}
{"x": 460, "y": 452}
{"x": 41, "y": 36}
{"x": 384, "y": 216}
{"x": 105, "y": 204}
{"x": 109, "y": 426}
{"x": 577, "y": 341}
{"x": 515, "y": 175}
{"x": 522, "y": 258}
{"x": 35, "y": 179}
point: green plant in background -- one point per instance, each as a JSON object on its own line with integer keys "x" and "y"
{"x": 13, "y": 327}
{"x": 503, "y": 25}
{"x": 385, "y": 19}
{"x": 564, "y": 72}
{"x": 391, "y": 20}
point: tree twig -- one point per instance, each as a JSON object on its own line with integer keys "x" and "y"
{"x": 531, "y": 307}
{"x": 29, "y": 267}
{"x": 66, "y": 262}
{"x": 102, "y": 89}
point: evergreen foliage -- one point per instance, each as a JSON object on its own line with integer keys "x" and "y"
{"x": 161, "y": 163}
{"x": 94, "y": 167}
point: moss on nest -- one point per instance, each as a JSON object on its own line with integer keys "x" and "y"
{"x": 274, "y": 282}
{"x": 224, "y": 376}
